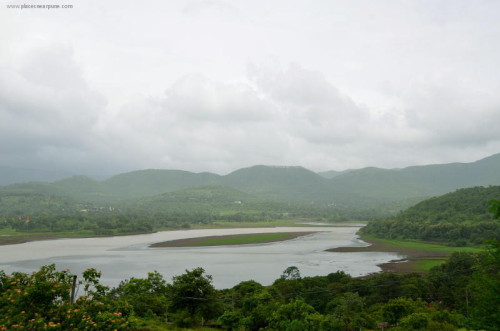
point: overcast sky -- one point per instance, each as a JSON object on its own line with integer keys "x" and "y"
{"x": 212, "y": 85}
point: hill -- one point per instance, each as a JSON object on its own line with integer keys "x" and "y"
{"x": 280, "y": 183}
{"x": 142, "y": 183}
{"x": 459, "y": 217}
{"x": 382, "y": 185}
{"x": 387, "y": 189}
{"x": 212, "y": 198}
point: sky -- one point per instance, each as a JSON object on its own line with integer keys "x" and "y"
{"x": 103, "y": 87}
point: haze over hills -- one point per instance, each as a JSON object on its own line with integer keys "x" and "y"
{"x": 419, "y": 181}
{"x": 10, "y": 175}
{"x": 280, "y": 183}
{"x": 362, "y": 188}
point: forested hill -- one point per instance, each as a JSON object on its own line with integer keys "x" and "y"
{"x": 369, "y": 187}
{"x": 460, "y": 217}
{"x": 418, "y": 181}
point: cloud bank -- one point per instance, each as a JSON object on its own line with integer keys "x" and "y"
{"x": 215, "y": 86}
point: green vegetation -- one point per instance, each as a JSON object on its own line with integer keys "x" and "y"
{"x": 246, "y": 239}
{"x": 461, "y": 292}
{"x": 384, "y": 185}
{"x": 258, "y": 224}
{"x": 43, "y": 301}
{"x": 377, "y": 189}
{"x": 150, "y": 200}
{"x": 460, "y": 218}
{"x": 423, "y": 246}
{"x": 27, "y": 213}
{"x": 427, "y": 264}
{"x": 457, "y": 292}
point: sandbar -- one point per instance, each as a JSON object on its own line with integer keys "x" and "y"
{"x": 198, "y": 241}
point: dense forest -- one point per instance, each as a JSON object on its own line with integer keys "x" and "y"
{"x": 150, "y": 200}
{"x": 461, "y": 293}
{"x": 25, "y": 211}
{"x": 460, "y": 218}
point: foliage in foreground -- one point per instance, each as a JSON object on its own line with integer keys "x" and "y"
{"x": 463, "y": 292}
{"x": 41, "y": 300}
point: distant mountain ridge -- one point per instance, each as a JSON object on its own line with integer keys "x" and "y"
{"x": 361, "y": 188}
{"x": 420, "y": 181}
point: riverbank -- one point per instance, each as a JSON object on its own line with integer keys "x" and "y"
{"x": 18, "y": 238}
{"x": 235, "y": 239}
{"x": 12, "y": 237}
{"x": 416, "y": 256}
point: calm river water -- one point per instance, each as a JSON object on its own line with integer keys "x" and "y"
{"x": 123, "y": 257}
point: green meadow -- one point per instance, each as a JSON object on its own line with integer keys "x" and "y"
{"x": 427, "y": 264}
{"x": 249, "y": 239}
{"x": 422, "y": 246}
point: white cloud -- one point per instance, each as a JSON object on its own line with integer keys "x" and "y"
{"x": 46, "y": 110}
{"x": 121, "y": 86}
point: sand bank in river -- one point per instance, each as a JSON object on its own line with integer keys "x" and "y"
{"x": 235, "y": 239}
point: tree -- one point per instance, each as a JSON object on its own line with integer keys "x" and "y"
{"x": 291, "y": 273}
{"x": 42, "y": 300}
{"x": 495, "y": 208}
{"x": 193, "y": 297}
{"x": 147, "y": 296}
{"x": 398, "y": 308}
{"x": 298, "y": 316}
{"x": 348, "y": 311}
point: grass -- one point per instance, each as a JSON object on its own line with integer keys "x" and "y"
{"x": 229, "y": 224}
{"x": 421, "y": 256}
{"x": 250, "y": 239}
{"x": 266, "y": 224}
{"x": 8, "y": 232}
{"x": 427, "y": 264}
{"x": 423, "y": 246}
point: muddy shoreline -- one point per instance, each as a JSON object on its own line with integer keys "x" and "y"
{"x": 13, "y": 240}
{"x": 403, "y": 265}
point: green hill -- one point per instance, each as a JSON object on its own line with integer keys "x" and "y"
{"x": 86, "y": 189}
{"x": 203, "y": 205}
{"x": 152, "y": 182}
{"x": 388, "y": 189}
{"x": 28, "y": 204}
{"x": 280, "y": 183}
{"x": 384, "y": 185}
{"x": 459, "y": 217}
{"x": 204, "y": 198}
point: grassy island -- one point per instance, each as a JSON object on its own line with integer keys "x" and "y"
{"x": 236, "y": 239}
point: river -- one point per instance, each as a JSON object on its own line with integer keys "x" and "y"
{"x": 123, "y": 257}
